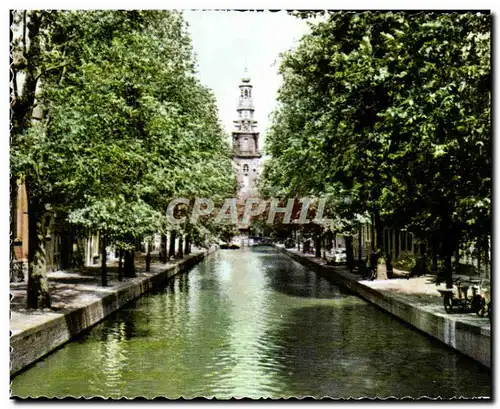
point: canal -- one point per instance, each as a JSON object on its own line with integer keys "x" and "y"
{"x": 252, "y": 323}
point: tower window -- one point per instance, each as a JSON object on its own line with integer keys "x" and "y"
{"x": 246, "y": 145}
{"x": 246, "y": 93}
{"x": 245, "y": 168}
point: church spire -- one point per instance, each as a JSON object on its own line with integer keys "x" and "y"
{"x": 246, "y": 154}
{"x": 245, "y": 108}
{"x": 245, "y": 78}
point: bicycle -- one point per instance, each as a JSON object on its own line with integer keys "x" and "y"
{"x": 476, "y": 303}
{"x": 367, "y": 271}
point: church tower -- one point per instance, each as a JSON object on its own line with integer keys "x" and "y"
{"x": 246, "y": 154}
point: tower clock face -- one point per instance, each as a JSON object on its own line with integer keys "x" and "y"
{"x": 246, "y": 127}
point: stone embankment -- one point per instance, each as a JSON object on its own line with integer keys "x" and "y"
{"x": 78, "y": 302}
{"x": 415, "y": 301}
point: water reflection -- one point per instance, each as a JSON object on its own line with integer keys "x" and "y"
{"x": 252, "y": 323}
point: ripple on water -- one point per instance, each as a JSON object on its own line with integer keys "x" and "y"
{"x": 252, "y": 324}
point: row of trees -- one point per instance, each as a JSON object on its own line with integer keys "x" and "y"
{"x": 125, "y": 126}
{"x": 388, "y": 115}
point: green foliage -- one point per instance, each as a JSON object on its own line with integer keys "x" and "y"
{"x": 127, "y": 125}
{"x": 407, "y": 261}
{"x": 389, "y": 113}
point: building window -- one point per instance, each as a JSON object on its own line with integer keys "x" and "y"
{"x": 245, "y": 167}
{"x": 246, "y": 93}
{"x": 255, "y": 170}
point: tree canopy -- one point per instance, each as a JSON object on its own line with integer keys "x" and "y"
{"x": 126, "y": 124}
{"x": 389, "y": 113}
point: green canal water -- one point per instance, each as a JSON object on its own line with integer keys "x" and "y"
{"x": 252, "y": 323}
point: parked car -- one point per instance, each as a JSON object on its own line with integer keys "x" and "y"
{"x": 340, "y": 256}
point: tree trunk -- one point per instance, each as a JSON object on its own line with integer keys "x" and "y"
{"x": 104, "y": 267}
{"x": 360, "y": 252}
{"x": 163, "y": 248}
{"x": 478, "y": 257}
{"x": 379, "y": 228}
{"x": 430, "y": 249}
{"x": 448, "y": 271}
{"x": 434, "y": 263}
{"x": 171, "y": 249}
{"x": 179, "y": 251}
{"x": 120, "y": 265}
{"x": 372, "y": 233}
{"x": 456, "y": 263}
{"x": 129, "y": 264}
{"x": 22, "y": 105}
{"x": 487, "y": 255}
{"x": 423, "y": 248}
{"x": 148, "y": 256}
{"x": 49, "y": 246}
{"x": 446, "y": 251}
{"x": 329, "y": 241}
{"x": 388, "y": 267}
{"x": 349, "y": 253}
{"x": 317, "y": 246}
{"x": 38, "y": 286}
{"x": 22, "y": 109}
{"x": 187, "y": 244}
{"x": 66, "y": 247}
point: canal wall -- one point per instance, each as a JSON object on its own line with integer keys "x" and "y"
{"x": 37, "y": 335}
{"x": 466, "y": 337}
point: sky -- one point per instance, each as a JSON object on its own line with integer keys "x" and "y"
{"x": 225, "y": 41}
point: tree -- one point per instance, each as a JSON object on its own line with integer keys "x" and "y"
{"x": 26, "y": 71}
{"x": 127, "y": 126}
{"x": 389, "y": 113}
